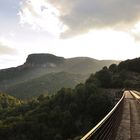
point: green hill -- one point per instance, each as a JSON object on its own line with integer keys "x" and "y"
{"x": 46, "y": 73}
{"x": 46, "y": 84}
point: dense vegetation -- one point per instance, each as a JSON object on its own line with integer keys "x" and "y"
{"x": 67, "y": 115}
{"x": 131, "y": 65}
{"x": 125, "y": 75}
{"x": 7, "y": 101}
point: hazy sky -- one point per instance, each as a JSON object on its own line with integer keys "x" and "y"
{"x": 101, "y": 29}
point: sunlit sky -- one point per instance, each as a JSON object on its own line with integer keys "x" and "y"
{"x": 99, "y": 29}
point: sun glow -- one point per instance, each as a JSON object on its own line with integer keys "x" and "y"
{"x": 137, "y": 27}
{"x": 103, "y": 44}
{"x": 99, "y": 44}
{"x": 41, "y": 15}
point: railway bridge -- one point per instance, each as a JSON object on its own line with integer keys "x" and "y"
{"x": 122, "y": 122}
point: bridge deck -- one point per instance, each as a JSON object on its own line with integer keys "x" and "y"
{"x": 129, "y": 128}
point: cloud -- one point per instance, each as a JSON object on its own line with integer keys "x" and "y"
{"x": 41, "y": 16}
{"x": 83, "y": 15}
{"x": 73, "y": 17}
{"x": 6, "y": 50}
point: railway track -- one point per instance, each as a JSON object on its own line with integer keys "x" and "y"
{"x": 129, "y": 126}
{"x": 130, "y": 123}
{"x": 136, "y": 95}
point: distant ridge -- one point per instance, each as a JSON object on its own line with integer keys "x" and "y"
{"x": 48, "y": 73}
{"x": 78, "y": 65}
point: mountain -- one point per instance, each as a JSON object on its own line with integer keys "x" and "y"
{"x": 80, "y": 65}
{"x": 44, "y": 59}
{"x": 86, "y": 65}
{"x": 46, "y": 68}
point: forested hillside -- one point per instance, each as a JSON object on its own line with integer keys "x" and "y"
{"x": 125, "y": 75}
{"x": 47, "y": 73}
{"x": 70, "y": 113}
{"x": 47, "y": 84}
{"x": 67, "y": 115}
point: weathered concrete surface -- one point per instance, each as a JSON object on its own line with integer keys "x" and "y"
{"x": 129, "y": 128}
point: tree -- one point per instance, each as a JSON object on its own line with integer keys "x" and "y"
{"x": 113, "y": 68}
{"x": 105, "y": 77}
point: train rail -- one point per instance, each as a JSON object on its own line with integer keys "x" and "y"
{"x": 106, "y": 128}
{"x": 136, "y": 95}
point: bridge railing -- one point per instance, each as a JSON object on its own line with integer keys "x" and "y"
{"x": 106, "y": 128}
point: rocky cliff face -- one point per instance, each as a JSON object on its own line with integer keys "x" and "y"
{"x": 43, "y": 60}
